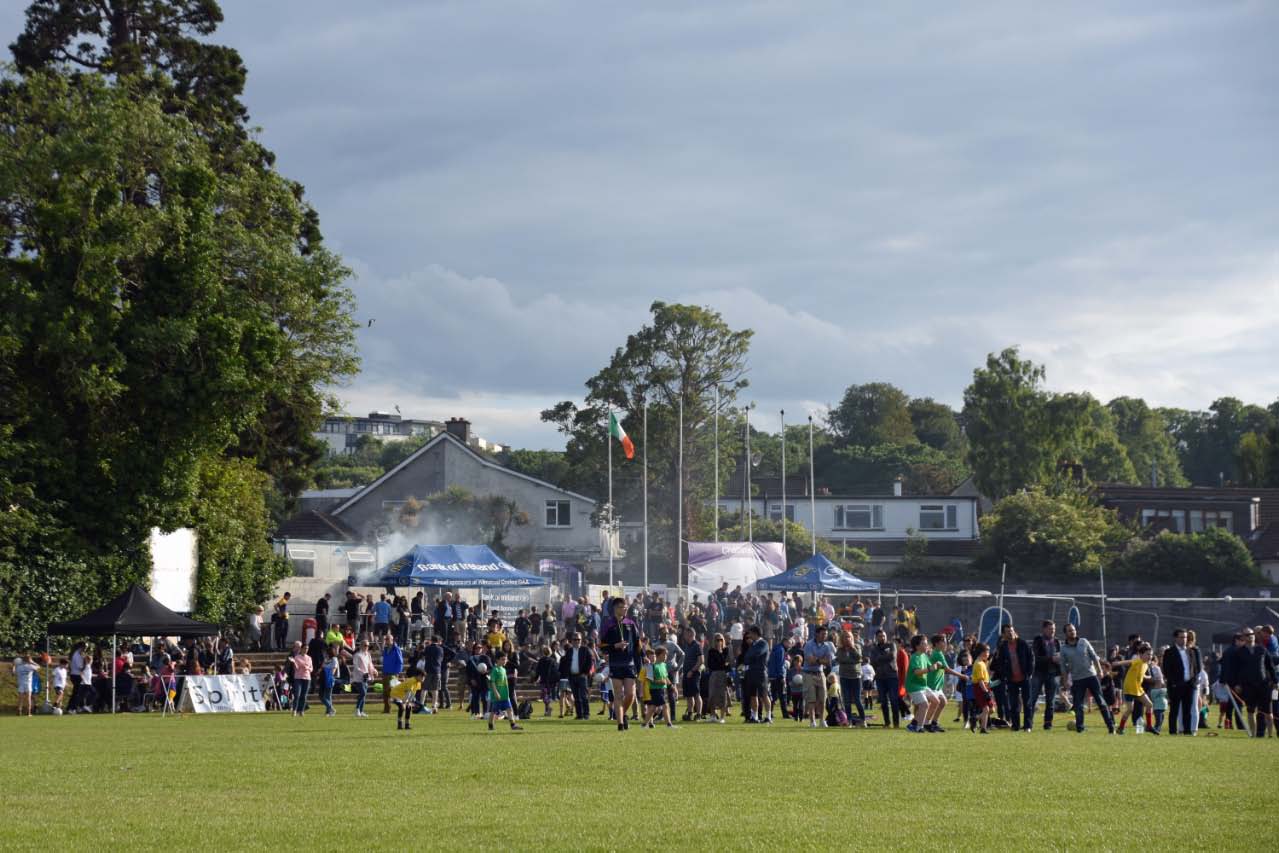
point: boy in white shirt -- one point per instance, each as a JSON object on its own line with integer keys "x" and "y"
{"x": 59, "y": 682}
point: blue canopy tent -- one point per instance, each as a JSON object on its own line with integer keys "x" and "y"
{"x": 453, "y": 566}
{"x": 817, "y": 574}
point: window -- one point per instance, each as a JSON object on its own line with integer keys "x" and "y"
{"x": 775, "y": 512}
{"x": 938, "y": 517}
{"x": 559, "y": 514}
{"x": 859, "y": 516}
{"x": 303, "y": 561}
{"x": 1203, "y": 519}
{"x": 1164, "y": 519}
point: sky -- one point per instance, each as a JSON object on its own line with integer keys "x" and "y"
{"x": 883, "y": 192}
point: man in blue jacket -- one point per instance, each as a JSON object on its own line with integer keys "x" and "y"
{"x": 392, "y": 664}
{"x": 755, "y": 680}
{"x": 777, "y": 676}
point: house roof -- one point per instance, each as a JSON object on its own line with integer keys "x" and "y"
{"x": 1268, "y": 511}
{"x": 317, "y": 526}
{"x": 442, "y": 437}
{"x": 1265, "y": 545}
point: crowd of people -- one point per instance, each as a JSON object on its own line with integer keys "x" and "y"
{"x": 762, "y": 658}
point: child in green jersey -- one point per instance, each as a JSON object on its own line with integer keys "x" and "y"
{"x": 500, "y": 693}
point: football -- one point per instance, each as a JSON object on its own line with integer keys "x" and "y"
{"x": 482, "y": 668}
{"x": 797, "y": 680}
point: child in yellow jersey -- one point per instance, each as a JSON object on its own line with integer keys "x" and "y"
{"x": 982, "y": 696}
{"x": 1133, "y": 694}
{"x": 404, "y": 695}
{"x": 495, "y": 636}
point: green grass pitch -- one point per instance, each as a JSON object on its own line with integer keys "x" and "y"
{"x": 271, "y": 781}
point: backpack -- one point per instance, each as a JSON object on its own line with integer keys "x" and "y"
{"x": 524, "y": 710}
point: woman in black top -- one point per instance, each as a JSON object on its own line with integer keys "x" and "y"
{"x": 717, "y": 664}
{"x": 620, "y": 643}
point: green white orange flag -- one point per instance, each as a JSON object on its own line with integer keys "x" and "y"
{"x": 615, "y": 430}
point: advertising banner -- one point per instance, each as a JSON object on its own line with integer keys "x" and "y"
{"x": 711, "y": 564}
{"x": 225, "y": 694}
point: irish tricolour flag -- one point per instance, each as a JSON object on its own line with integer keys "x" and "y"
{"x": 615, "y": 430}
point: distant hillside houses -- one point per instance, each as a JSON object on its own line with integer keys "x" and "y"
{"x": 342, "y": 433}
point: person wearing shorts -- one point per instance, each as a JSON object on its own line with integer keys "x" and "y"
{"x": 692, "y": 674}
{"x": 755, "y": 681}
{"x": 500, "y": 693}
{"x": 1134, "y": 695}
{"x": 24, "y": 670}
{"x": 923, "y": 698}
{"x": 620, "y": 642}
{"x": 818, "y": 653}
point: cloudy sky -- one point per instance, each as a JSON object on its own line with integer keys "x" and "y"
{"x": 880, "y": 191}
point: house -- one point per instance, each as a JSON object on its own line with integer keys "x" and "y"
{"x": 1250, "y": 513}
{"x": 343, "y": 532}
{"x": 342, "y": 433}
{"x": 878, "y": 522}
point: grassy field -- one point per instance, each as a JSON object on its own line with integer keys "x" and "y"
{"x": 273, "y": 781}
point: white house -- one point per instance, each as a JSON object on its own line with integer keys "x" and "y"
{"x": 879, "y": 523}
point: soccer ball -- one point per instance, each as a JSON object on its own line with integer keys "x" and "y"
{"x": 482, "y": 668}
{"x": 601, "y": 677}
{"x": 55, "y": 711}
{"x": 797, "y": 681}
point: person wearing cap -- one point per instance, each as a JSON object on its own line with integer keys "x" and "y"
{"x": 818, "y": 653}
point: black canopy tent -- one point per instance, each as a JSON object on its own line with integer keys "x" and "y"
{"x": 132, "y": 613}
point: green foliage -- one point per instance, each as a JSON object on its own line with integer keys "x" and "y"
{"x": 1050, "y": 533}
{"x": 1214, "y": 558}
{"x": 1252, "y": 459}
{"x": 915, "y": 554}
{"x": 1208, "y": 442}
{"x": 857, "y": 470}
{"x": 874, "y": 413}
{"x": 1147, "y": 439}
{"x": 1084, "y": 432}
{"x": 682, "y": 356}
{"x": 237, "y": 567}
{"x": 548, "y": 465}
{"x": 936, "y": 425}
{"x": 1009, "y": 435}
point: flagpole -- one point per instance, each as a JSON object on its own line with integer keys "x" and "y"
{"x": 783, "y": 481}
{"x": 679, "y": 492}
{"x": 750, "y": 498}
{"x": 609, "y": 506}
{"x": 645, "y": 483}
{"x": 716, "y": 463}
{"x": 812, "y": 487}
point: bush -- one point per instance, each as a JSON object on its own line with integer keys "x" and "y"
{"x": 1050, "y": 533}
{"x": 1213, "y": 559}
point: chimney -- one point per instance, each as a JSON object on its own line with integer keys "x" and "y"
{"x": 897, "y": 486}
{"x": 459, "y": 428}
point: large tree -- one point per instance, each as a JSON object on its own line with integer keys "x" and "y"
{"x": 1145, "y": 435}
{"x": 874, "y": 413}
{"x": 1010, "y": 435}
{"x": 151, "y": 289}
{"x": 686, "y": 355}
{"x": 936, "y": 425}
{"x": 161, "y": 50}
{"x": 1051, "y": 533}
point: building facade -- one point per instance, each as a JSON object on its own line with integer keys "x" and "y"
{"x": 342, "y": 433}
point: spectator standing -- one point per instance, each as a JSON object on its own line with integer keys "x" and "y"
{"x": 362, "y": 674}
{"x": 755, "y": 679}
{"x": 848, "y": 657}
{"x": 392, "y": 664}
{"x": 1080, "y": 662}
{"x": 322, "y": 613}
{"x": 1014, "y": 663}
{"x": 302, "y": 667}
{"x": 280, "y": 620}
{"x": 1181, "y": 666}
{"x": 1047, "y": 676}
{"x": 382, "y": 624}
{"x": 819, "y": 658}
{"x": 692, "y": 666}
{"x": 1254, "y": 681}
{"x": 883, "y": 659}
{"x": 621, "y": 642}
{"x": 351, "y": 611}
{"x": 576, "y": 666}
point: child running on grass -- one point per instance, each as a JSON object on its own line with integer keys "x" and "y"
{"x": 918, "y": 667}
{"x": 404, "y": 695}
{"x": 1134, "y": 696}
{"x": 659, "y": 683}
{"x": 500, "y": 693}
